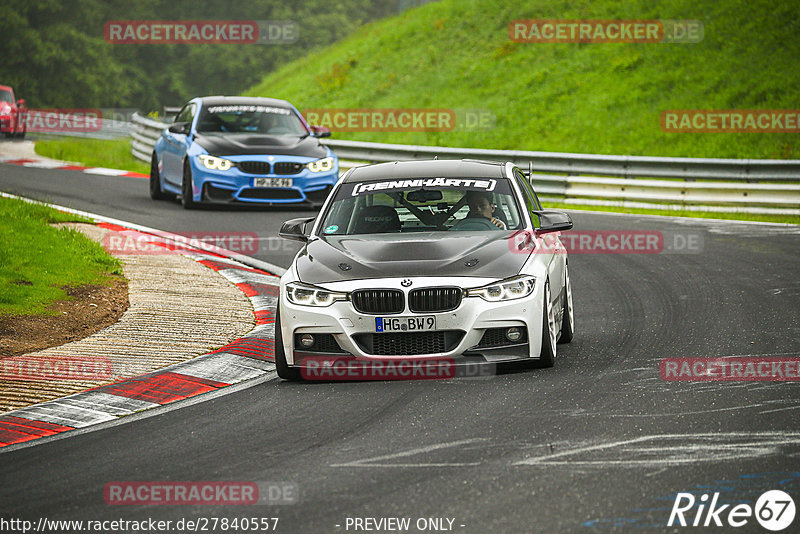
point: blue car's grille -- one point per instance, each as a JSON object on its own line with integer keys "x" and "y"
{"x": 263, "y": 167}
{"x": 288, "y": 167}
{"x": 254, "y": 167}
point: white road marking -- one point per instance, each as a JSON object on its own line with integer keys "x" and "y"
{"x": 780, "y": 409}
{"x": 105, "y": 172}
{"x": 367, "y": 462}
{"x": 44, "y": 164}
{"x": 691, "y": 448}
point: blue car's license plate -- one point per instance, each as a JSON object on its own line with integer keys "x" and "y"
{"x": 273, "y": 182}
{"x": 405, "y": 324}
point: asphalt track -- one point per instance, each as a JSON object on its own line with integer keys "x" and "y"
{"x": 598, "y": 442}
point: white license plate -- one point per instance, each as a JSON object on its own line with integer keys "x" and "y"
{"x": 273, "y": 182}
{"x": 405, "y": 324}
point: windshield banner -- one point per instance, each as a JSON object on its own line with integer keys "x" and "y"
{"x": 465, "y": 183}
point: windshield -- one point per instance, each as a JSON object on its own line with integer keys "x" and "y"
{"x": 5, "y": 96}
{"x": 422, "y": 205}
{"x": 266, "y": 120}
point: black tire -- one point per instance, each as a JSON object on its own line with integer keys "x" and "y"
{"x": 186, "y": 189}
{"x": 284, "y": 371}
{"x": 568, "y": 319}
{"x": 156, "y": 193}
{"x": 547, "y": 356}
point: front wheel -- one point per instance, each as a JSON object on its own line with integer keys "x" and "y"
{"x": 547, "y": 356}
{"x": 156, "y": 193}
{"x": 284, "y": 371}
{"x": 186, "y": 189}
{"x": 568, "y": 319}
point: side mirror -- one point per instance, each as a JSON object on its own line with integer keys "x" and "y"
{"x": 321, "y": 131}
{"x": 296, "y": 229}
{"x": 553, "y": 221}
{"x": 180, "y": 128}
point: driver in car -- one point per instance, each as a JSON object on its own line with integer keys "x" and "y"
{"x": 481, "y": 205}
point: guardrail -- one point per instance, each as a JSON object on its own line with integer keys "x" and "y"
{"x": 694, "y": 184}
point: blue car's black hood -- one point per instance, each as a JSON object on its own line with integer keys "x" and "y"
{"x": 338, "y": 258}
{"x": 255, "y": 144}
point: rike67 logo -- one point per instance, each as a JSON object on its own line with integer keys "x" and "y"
{"x": 774, "y": 510}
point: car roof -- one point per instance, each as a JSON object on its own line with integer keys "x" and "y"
{"x": 244, "y": 100}
{"x": 439, "y": 168}
{"x": 5, "y": 87}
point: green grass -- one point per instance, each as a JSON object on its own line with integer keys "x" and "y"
{"x": 563, "y": 97}
{"x": 38, "y": 259}
{"x": 113, "y": 154}
{"x": 788, "y": 219}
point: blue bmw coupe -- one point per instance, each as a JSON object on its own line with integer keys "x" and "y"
{"x": 251, "y": 150}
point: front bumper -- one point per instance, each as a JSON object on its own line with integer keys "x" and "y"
{"x": 468, "y": 333}
{"x": 236, "y": 186}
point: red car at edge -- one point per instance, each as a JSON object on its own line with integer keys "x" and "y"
{"x": 12, "y": 113}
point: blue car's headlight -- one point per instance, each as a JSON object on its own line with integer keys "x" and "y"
{"x": 320, "y": 165}
{"x": 508, "y": 289}
{"x": 213, "y": 162}
{"x": 308, "y": 295}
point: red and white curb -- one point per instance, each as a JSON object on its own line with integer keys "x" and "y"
{"x": 53, "y": 164}
{"x": 246, "y": 358}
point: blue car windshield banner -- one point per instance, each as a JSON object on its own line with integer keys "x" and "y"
{"x": 248, "y": 109}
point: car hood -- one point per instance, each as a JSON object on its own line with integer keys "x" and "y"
{"x": 340, "y": 258}
{"x": 254, "y": 144}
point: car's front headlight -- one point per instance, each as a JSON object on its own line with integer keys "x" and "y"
{"x": 308, "y": 295}
{"x": 320, "y": 165}
{"x": 213, "y": 162}
{"x": 508, "y": 289}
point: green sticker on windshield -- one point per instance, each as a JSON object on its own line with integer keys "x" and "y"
{"x": 330, "y": 229}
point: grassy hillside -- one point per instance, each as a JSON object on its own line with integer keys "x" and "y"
{"x": 591, "y": 98}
